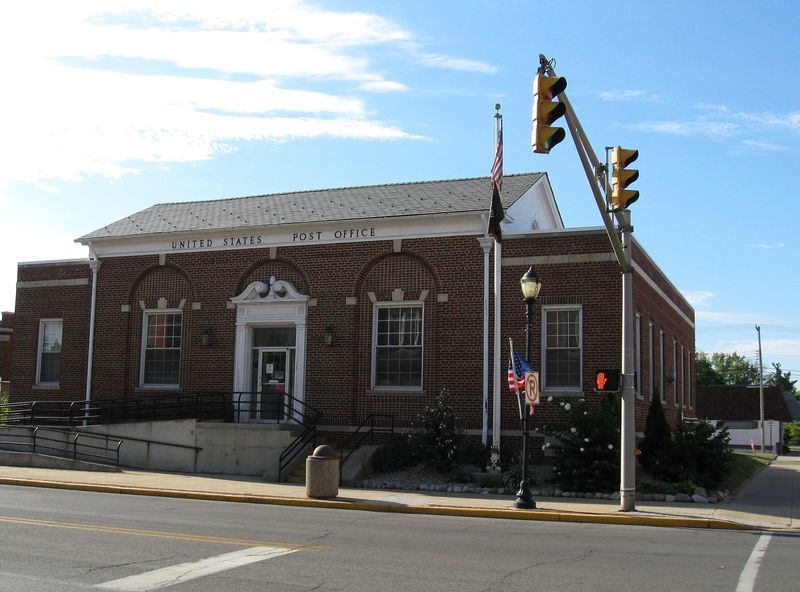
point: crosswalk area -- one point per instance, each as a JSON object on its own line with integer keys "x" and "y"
{"x": 184, "y": 572}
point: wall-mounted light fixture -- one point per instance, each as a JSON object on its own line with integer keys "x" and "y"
{"x": 207, "y": 337}
{"x": 327, "y": 336}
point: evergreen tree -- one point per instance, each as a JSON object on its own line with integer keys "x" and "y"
{"x": 657, "y": 445}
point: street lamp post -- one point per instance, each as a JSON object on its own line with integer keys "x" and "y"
{"x": 530, "y": 284}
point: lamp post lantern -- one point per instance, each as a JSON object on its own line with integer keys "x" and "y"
{"x": 530, "y": 284}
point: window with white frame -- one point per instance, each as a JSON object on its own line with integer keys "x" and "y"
{"x": 689, "y": 361}
{"x": 397, "y": 350}
{"x": 562, "y": 345}
{"x": 48, "y": 359}
{"x": 675, "y": 373}
{"x": 650, "y": 361}
{"x": 161, "y": 348}
{"x": 683, "y": 378}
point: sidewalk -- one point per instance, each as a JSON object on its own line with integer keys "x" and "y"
{"x": 771, "y": 500}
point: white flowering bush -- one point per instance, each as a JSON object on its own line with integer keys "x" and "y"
{"x": 588, "y": 459}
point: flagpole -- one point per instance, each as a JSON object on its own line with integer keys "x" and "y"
{"x": 497, "y": 365}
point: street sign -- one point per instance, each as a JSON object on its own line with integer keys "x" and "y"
{"x": 532, "y": 388}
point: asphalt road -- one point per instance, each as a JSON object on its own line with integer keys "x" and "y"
{"x": 66, "y": 540}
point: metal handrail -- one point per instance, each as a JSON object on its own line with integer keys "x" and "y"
{"x": 357, "y": 438}
{"x": 75, "y": 438}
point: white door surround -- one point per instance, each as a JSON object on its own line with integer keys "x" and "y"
{"x": 277, "y": 304}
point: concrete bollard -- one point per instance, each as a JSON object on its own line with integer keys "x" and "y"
{"x": 322, "y": 472}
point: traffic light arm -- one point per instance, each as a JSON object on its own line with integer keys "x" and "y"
{"x": 596, "y": 175}
{"x": 591, "y": 164}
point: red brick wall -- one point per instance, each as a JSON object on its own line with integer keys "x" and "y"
{"x": 67, "y": 302}
{"x": 338, "y": 377}
{"x": 6, "y": 322}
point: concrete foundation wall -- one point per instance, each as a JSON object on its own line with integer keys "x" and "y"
{"x": 226, "y": 448}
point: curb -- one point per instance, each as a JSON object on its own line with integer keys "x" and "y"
{"x": 633, "y": 519}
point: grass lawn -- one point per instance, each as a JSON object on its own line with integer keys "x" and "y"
{"x": 743, "y": 466}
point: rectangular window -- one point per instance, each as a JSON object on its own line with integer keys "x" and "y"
{"x": 689, "y": 360}
{"x": 674, "y": 373}
{"x": 161, "y": 349}
{"x": 637, "y": 359}
{"x": 650, "y": 361}
{"x": 683, "y": 378}
{"x": 48, "y": 362}
{"x": 397, "y": 347}
{"x": 661, "y": 373}
{"x": 562, "y": 341}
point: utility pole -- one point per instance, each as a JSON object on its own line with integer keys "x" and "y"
{"x": 760, "y": 389}
{"x": 544, "y": 138}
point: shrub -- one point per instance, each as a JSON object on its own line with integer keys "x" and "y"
{"x": 589, "y": 459}
{"x": 702, "y": 454}
{"x": 656, "y": 447}
{"x": 437, "y": 434}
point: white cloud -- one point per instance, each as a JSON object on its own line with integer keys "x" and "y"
{"x": 770, "y": 348}
{"x": 711, "y": 129}
{"x": 767, "y": 245}
{"x": 764, "y": 146}
{"x": 218, "y": 73}
{"x": 738, "y": 318}
{"x": 30, "y": 241}
{"x": 718, "y": 122}
{"x": 629, "y": 95}
{"x": 698, "y": 297}
{"x": 383, "y": 86}
{"x": 451, "y": 63}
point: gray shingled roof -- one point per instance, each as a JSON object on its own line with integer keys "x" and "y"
{"x": 350, "y": 203}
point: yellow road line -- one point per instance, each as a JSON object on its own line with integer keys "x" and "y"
{"x": 153, "y": 533}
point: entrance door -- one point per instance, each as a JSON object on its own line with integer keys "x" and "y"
{"x": 274, "y": 384}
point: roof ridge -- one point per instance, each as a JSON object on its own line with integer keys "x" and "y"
{"x": 221, "y": 199}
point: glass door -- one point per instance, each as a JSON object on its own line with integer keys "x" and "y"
{"x": 274, "y": 380}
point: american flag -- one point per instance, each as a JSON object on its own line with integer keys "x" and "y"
{"x": 497, "y": 167}
{"x": 496, "y": 214}
{"x": 516, "y": 372}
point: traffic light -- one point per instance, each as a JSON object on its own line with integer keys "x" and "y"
{"x": 546, "y": 111}
{"x": 621, "y": 198}
{"x": 606, "y": 380}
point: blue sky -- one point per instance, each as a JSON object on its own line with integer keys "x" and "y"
{"x": 109, "y": 107}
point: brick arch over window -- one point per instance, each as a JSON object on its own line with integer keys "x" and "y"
{"x": 413, "y": 262}
{"x": 386, "y": 277}
{"x": 282, "y": 269}
{"x": 169, "y": 288}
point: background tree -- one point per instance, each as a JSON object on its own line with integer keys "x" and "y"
{"x": 722, "y": 368}
{"x": 705, "y": 372}
{"x": 779, "y": 379}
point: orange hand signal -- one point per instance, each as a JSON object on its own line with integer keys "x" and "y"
{"x": 601, "y": 381}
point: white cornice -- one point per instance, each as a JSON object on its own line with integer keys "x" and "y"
{"x": 381, "y": 229}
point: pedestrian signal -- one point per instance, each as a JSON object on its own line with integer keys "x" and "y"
{"x": 606, "y": 381}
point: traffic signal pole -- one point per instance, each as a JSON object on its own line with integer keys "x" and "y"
{"x": 596, "y": 174}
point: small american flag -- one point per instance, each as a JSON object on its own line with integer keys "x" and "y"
{"x": 516, "y": 372}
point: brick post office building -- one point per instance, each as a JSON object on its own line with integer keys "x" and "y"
{"x": 354, "y": 301}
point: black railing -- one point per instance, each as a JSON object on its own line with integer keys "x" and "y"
{"x": 205, "y": 406}
{"x": 227, "y": 407}
{"x": 377, "y": 423}
{"x": 55, "y": 413}
{"x": 308, "y": 419}
{"x": 65, "y": 443}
